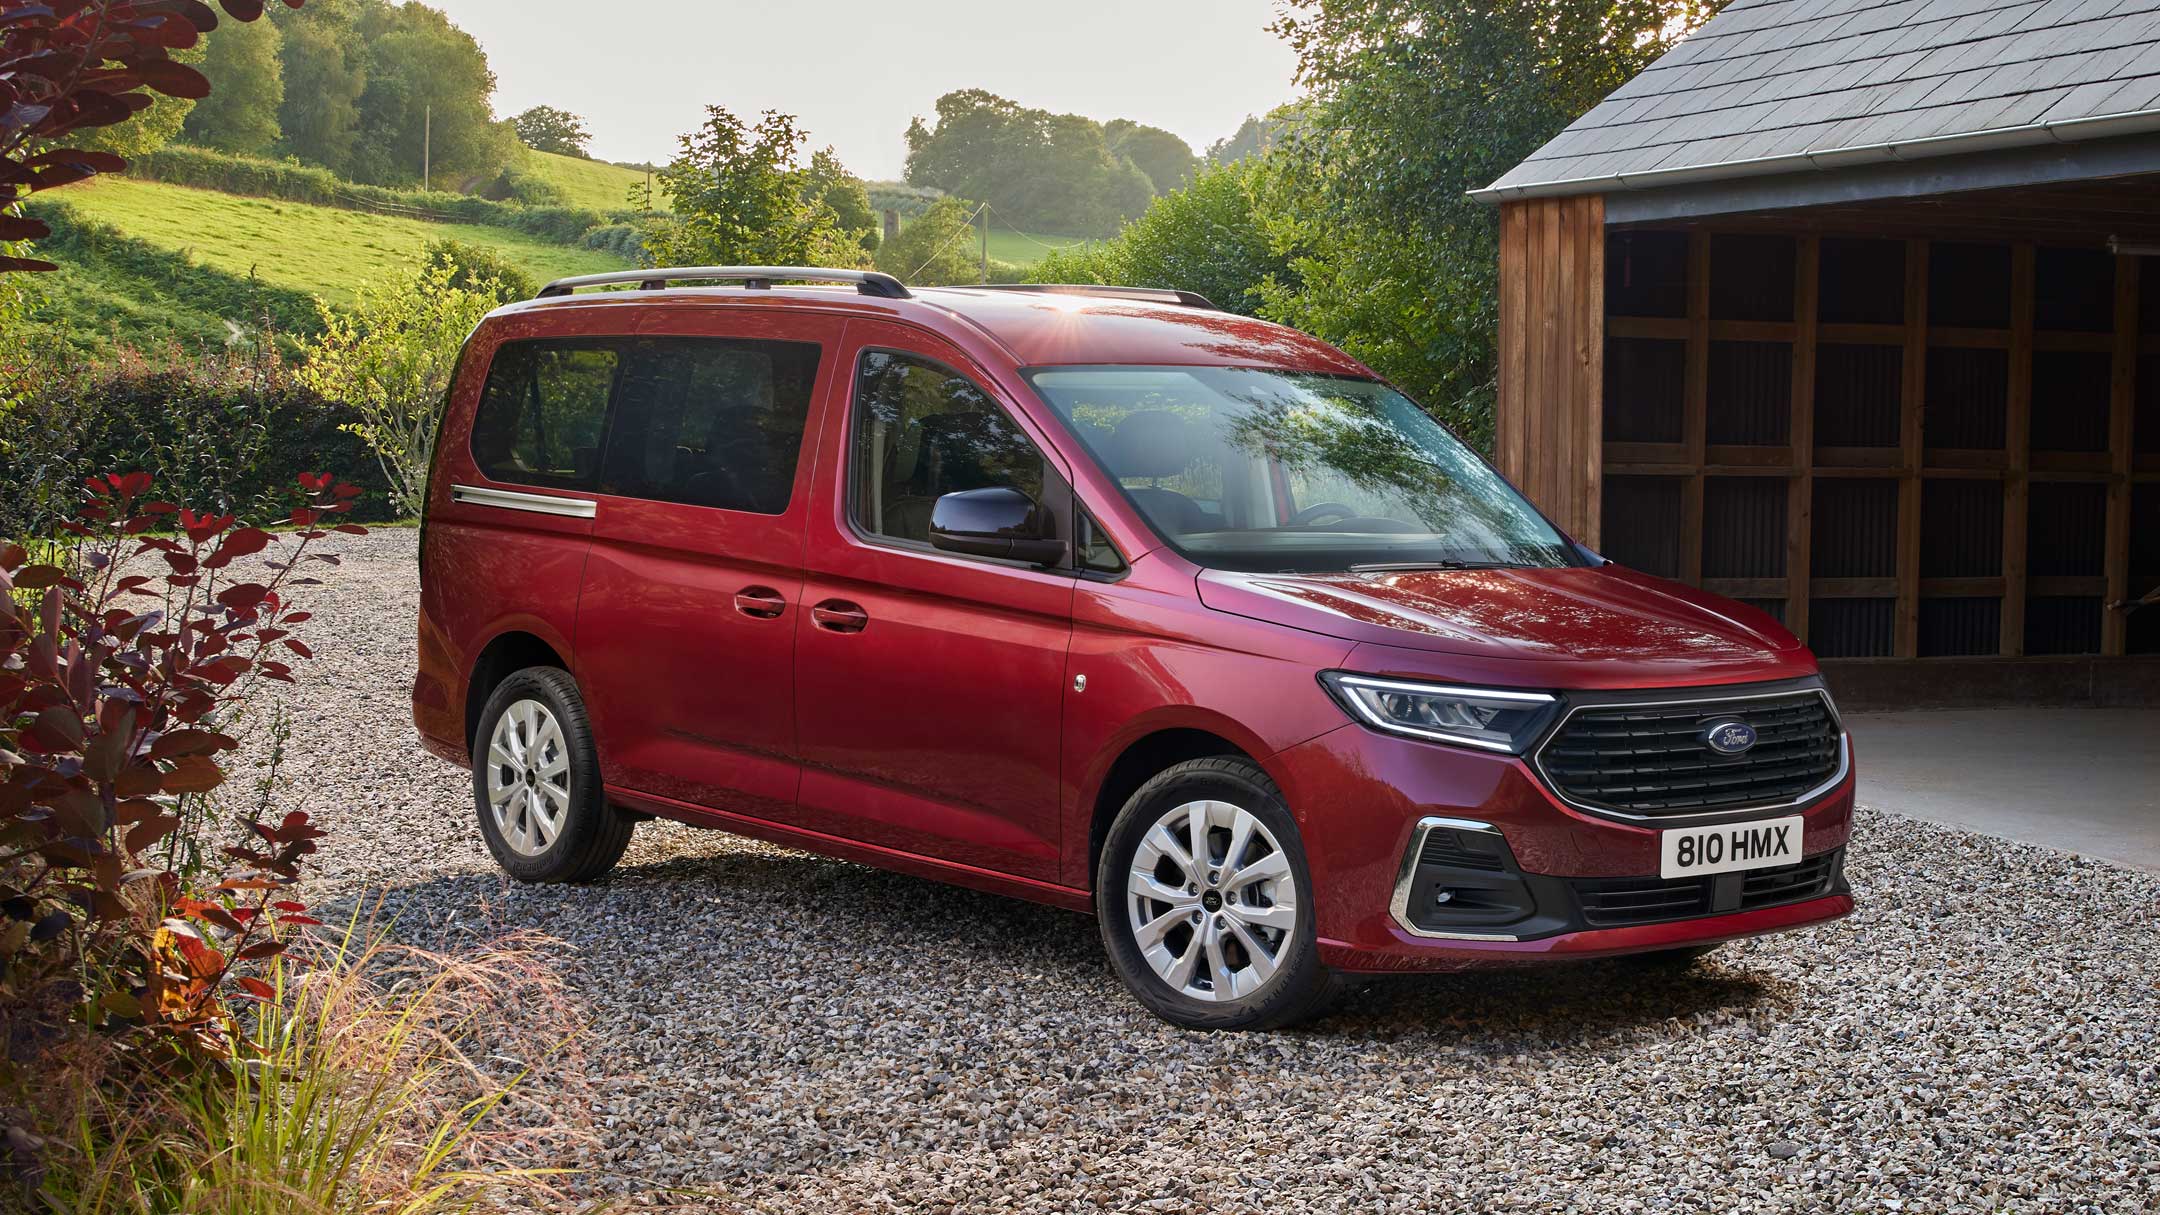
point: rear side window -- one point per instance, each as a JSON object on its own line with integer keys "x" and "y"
{"x": 711, "y": 422}
{"x": 923, "y": 430}
{"x": 542, "y": 413}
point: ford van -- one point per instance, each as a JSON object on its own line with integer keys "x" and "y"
{"x": 1100, "y": 597}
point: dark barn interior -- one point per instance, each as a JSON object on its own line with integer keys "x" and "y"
{"x": 1908, "y": 429}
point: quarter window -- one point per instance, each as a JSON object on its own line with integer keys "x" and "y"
{"x": 711, "y": 422}
{"x": 542, "y": 413}
{"x": 922, "y": 430}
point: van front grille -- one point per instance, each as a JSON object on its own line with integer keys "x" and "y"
{"x": 1654, "y": 760}
{"x": 1615, "y": 902}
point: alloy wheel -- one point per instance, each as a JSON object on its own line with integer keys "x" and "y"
{"x": 1212, "y": 901}
{"x": 528, "y": 777}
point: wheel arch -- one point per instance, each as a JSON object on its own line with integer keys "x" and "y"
{"x": 1139, "y": 761}
{"x": 510, "y": 650}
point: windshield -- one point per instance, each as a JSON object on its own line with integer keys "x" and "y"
{"x": 1258, "y": 470}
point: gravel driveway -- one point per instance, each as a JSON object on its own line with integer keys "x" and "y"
{"x": 781, "y": 1032}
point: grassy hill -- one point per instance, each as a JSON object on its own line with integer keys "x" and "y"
{"x": 1025, "y": 248}
{"x": 589, "y": 183}
{"x": 320, "y": 250}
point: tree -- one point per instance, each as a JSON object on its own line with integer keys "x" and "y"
{"x": 938, "y": 249}
{"x": 1415, "y": 102}
{"x": 321, "y": 121}
{"x": 391, "y": 356}
{"x": 1167, "y": 160}
{"x": 742, "y": 196}
{"x": 1037, "y": 170}
{"x": 69, "y": 69}
{"x": 828, "y": 182}
{"x": 1253, "y": 137}
{"x": 428, "y": 85}
{"x": 1207, "y": 238}
{"x": 247, "y": 85}
{"x": 544, "y": 128}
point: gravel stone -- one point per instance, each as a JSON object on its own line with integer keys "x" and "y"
{"x": 772, "y": 1031}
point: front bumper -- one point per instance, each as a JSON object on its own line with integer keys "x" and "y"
{"x": 1565, "y": 884}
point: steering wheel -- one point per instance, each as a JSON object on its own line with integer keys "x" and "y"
{"x": 1321, "y": 510}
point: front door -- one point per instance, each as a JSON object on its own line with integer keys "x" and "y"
{"x": 928, "y": 685}
{"x": 686, "y": 623}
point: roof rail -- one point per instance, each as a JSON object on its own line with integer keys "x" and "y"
{"x": 755, "y": 278}
{"x": 1156, "y": 295}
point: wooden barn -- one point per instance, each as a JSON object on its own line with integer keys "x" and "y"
{"x": 1850, "y": 309}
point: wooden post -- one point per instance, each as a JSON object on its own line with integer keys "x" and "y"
{"x": 1695, "y": 420}
{"x": 1912, "y": 451}
{"x": 1548, "y": 434}
{"x": 1800, "y": 491}
{"x": 2122, "y": 407}
{"x": 2017, "y": 441}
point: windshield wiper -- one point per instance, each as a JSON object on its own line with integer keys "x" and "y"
{"x": 1391, "y": 567}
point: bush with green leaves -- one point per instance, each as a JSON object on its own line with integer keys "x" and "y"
{"x": 391, "y": 357}
{"x": 1208, "y": 237}
{"x": 939, "y": 248}
{"x": 743, "y": 195}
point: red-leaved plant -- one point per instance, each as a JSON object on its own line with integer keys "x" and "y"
{"x": 69, "y": 65}
{"x": 124, "y": 657}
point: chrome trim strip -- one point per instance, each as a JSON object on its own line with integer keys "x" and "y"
{"x": 1729, "y": 813}
{"x": 539, "y": 504}
{"x": 1399, "y": 906}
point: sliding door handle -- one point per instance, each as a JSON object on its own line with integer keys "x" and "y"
{"x": 840, "y": 616}
{"x": 760, "y": 602}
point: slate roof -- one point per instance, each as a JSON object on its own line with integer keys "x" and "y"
{"x": 1780, "y": 85}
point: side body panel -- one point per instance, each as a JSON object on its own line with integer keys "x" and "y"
{"x": 692, "y": 693}
{"x": 488, "y": 570}
{"x": 934, "y": 728}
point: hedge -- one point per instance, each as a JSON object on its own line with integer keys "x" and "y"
{"x": 223, "y": 431}
{"x": 181, "y": 165}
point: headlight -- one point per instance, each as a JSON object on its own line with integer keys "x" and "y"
{"x": 1486, "y": 718}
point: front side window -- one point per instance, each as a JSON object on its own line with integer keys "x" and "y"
{"x": 922, "y": 430}
{"x": 1264, "y": 471}
{"x": 542, "y": 413}
{"x": 711, "y": 422}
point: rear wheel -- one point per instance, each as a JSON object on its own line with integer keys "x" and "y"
{"x": 536, "y": 782}
{"x": 1206, "y": 904}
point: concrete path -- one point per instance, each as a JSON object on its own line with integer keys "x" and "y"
{"x": 2080, "y": 780}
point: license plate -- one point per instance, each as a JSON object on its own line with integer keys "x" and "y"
{"x": 1695, "y": 851}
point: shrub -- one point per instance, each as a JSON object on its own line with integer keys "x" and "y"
{"x": 124, "y": 656}
{"x": 392, "y": 357}
{"x": 473, "y": 268}
{"x": 228, "y": 430}
{"x": 1207, "y": 238}
{"x": 526, "y": 189}
{"x": 626, "y": 241}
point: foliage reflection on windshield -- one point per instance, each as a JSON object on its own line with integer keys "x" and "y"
{"x": 1266, "y": 470}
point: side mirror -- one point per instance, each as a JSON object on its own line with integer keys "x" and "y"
{"x": 995, "y": 522}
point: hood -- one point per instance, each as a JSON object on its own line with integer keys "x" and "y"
{"x": 1585, "y": 614}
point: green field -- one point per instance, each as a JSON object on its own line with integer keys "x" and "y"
{"x": 594, "y": 184}
{"x": 321, "y": 250}
{"x": 1025, "y": 248}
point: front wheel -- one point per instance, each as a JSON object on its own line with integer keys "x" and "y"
{"x": 1206, "y": 903}
{"x": 536, "y": 782}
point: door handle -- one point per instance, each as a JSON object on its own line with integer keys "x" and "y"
{"x": 840, "y": 616}
{"x": 760, "y": 602}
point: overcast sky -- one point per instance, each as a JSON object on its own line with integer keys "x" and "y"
{"x": 855, "y": 71}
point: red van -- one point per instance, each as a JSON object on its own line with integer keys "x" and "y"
{"x": 1100, "y": 597}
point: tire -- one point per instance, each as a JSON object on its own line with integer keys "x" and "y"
{"x": 562, "y": 778}
{"x": 1284, "y": 982}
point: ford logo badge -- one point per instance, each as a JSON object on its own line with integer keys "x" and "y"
{"x": 1729, "y": 736}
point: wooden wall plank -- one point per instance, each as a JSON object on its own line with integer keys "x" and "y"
{"x": 1695, "y": 418}
{"x": 1549, "y": 428}
{"x": 2018, "y": 454}
{"x": 2122, "y": 407}
{"x": 1799, "y": 505}
{"x": 1911, "y": 447}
